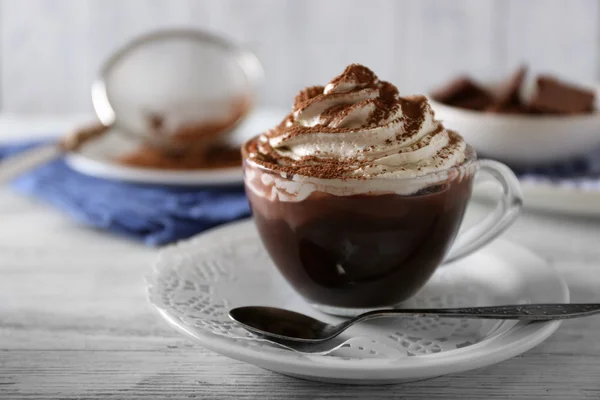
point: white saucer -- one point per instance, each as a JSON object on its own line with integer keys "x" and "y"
{"x": 576, "y": 200}
{"x": 195, "y": 283}
{"x": 97, "y": 158}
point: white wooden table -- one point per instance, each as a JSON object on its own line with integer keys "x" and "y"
{"x": 74, "y": 322}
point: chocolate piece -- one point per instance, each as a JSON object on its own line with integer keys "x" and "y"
{"x": 554, "y": 96}
{"x": 465, "y": 93}
{"x": 509, "y": 95}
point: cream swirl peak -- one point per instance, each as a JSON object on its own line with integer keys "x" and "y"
{"x": 358, "y": 127}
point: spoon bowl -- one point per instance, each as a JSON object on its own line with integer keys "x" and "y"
{"x": 280, "y": 324}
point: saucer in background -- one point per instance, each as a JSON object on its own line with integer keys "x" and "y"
{"x": 576, "y": 197}
{"x": 98, "y": 157}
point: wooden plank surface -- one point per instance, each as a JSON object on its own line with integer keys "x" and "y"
{"x": 74, "y": 323}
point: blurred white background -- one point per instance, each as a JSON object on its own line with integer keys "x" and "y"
{"x": 50, "y": 50}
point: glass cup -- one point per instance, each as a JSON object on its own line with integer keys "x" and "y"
{"x": 355, "y": 245}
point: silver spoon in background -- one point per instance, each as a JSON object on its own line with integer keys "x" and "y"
{"x": 185, "y": 77}
{"x": 280, "y": 324}
{"x": 13, "y": 166}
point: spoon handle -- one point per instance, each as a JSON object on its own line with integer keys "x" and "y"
{"x": 13, "y": 166}
{"x": 529, "y": 312}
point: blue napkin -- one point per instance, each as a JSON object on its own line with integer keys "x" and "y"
{"x": 153, "y": 214}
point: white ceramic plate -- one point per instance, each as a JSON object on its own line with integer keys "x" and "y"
{"x": 555, "y": 198}
{"x": 97, "y": 157}
{"x": 195, "y": 283}
{"x": 547, "y": 197}
{"x": 562, "y": 199}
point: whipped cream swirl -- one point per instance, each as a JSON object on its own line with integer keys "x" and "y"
{"x": 359, "y": 127}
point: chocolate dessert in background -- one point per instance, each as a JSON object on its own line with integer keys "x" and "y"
{"x": 551, "y": 96}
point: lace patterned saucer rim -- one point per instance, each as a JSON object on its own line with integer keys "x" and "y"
{"x": 518, "y": 339}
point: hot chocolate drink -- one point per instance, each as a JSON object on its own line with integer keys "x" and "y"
{"x": 359, "y": 193}
{"x": 363, "y": 250}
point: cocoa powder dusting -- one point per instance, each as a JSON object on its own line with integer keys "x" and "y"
{"x": 213, "y": 158}
{"x": 316, "y": 167}
{"x": 199, "y": 150}
{"x": 355, "y": 98}
{"x": 388, "y": 92}
{"x": 335, "y": 113}
{"x": 413, "y": 109}
{"x": 307, "y": 94}
{"x": 202, "y": 133}
{"x": 356, "y": 73}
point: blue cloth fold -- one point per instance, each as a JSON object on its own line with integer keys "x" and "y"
{"x": 156, "y": 215}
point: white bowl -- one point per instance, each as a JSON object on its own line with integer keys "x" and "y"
{"x": 523, "y": 140}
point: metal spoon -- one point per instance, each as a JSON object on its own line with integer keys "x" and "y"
{"x": 279, "y": 324}
{"x": 13, "y": 166}
{"x": 172, "y": 78}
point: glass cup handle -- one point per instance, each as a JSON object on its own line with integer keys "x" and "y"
{"x": 504, "y": 214}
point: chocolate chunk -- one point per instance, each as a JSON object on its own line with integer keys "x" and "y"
{"x": 554, "y": 96}
{"x": 465, "y": 93}
{"x": 509, "y": 94}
